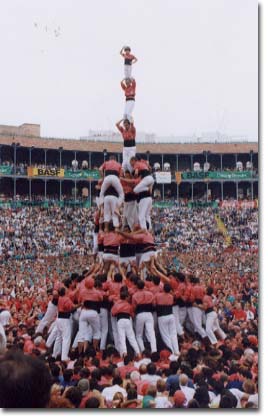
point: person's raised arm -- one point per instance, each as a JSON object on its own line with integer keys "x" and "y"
{"x": 123, "y": 85}
{"x": 118, "y": 125}
{"x": 122, "y": 271}
{"x": 121, "y": 52}
{"x": 162, "y": 276}
{"x": 109, "y": 275}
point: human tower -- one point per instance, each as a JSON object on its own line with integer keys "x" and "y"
{"x": 125, "y": 189}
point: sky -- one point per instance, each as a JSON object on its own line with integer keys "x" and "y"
{"x": 197, "y": 68}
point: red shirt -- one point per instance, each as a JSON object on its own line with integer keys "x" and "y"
{"x": 100, "y": 237}
{"x": 142, "y": 297}
{"x": 111, "y": 239}
{"x": 90, "y": 294}
{"x": 198, "y": 292}
{"x": 144, "y": 238}
{"x": 154, "y": 288}
{"x": 128, "y": 58}
{"x": 239, "y": 315}
{"x": 208, "y": 302}
{"x": 163, "y": 298}
{"x": 128, "y": 134}
{"x": 180, "y": 291}
{"x": 65, "y": 304}
{"x": 141, "y": 165}
{"x": 129, "y": 90}
{"x": 113, "y": 289}
{"x": 127, "y": 186}
{"x": 124, "y": 370}
{"x": 188, "y": 293}
{"x": 111, "y": 165}
{"x": 122, "y": 306}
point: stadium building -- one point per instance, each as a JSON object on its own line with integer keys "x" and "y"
{"x": 33, "y": 167}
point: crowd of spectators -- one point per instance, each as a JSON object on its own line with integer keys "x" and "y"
{"x": 40, "y": 247}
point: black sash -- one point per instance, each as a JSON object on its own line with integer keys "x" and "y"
{"x": 111, "y": 173}
{"x": 64, "y": 315}
{"x": 129, "y": 143}
{"x": 130, "y": 197}
{"x": 144, "y": 173}
{"x": 143, "y": 195}
{"x": 111, "y": 249}
{"x": 180, "y": 302}
{"x": 111, "y": 192}
{"x": 122, "y": 315}
{"x": 207, "y": 311}
{"x": 144, "y": 307}
{"x": 127, "y": 250}
{"x": 91, "y": 304}
{"x": 163, "y": 310}
{"x": 144, "y": 248}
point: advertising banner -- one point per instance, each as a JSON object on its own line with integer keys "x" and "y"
{"x": 163, "y": 177}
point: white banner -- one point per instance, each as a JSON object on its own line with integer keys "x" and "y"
{"x": 163, "y": 177}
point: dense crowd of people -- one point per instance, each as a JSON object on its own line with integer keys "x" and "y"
{"x": 44, "y": 251}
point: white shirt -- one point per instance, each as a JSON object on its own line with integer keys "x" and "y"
{"x": 238, "y": 394}
{"x": 108, "y": 393}
{"x": 188, "y": 392}
{"x": 254, "y": 399}
{"x": 150, "y": 378}
{"x": 162, "y": 402}
{"x": 142, "y": 361}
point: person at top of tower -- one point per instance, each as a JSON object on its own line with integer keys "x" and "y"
{"x": 129, "y": 59}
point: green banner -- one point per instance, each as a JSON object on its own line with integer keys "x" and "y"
{"x": 44, "y": 204}
{"x": 163, "y": 204}
{"x": 82, "y": 174}
{"x": 217, "y": 175}
{"x": 212, "y": 204}
{"x": 5, "y": 170}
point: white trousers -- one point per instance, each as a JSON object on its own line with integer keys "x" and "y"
{"x": 80, "y": 339}
{"x": 95, "y": 242}
{"x": 130, "y": 214}
{"x": 129, "y": 107}
{"x": 182, "y": 314}
{"x": 115, "y": 333}
{"x": 144, "y": 212}
{"x": 197, "y": 315}
{"x": 52, "y": 335}
{"x": 145, "y": 205}
{"x": 63, "y": 338}
{"x": 113, "y": 181}
{"x": 125, "y": 331}
{"x": 168, "y": 332}
{"x": 104, "y": 327}
{"x": 3, "y": 340}
{"x": 179, "y": 327}
{"x": 89, "y": 317}
{"x": 128, "y": 153}
{"x": 146, "y": 257}
{"x": 48, "y": 318}
{"x": 127, "y": 71}
{"x": 145, "y": 322}
{"x": 110, "y": 206}
{"x": 144, "y": 184}
{"x": 212, "y": 325}
{"x": 110, "y": 257}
